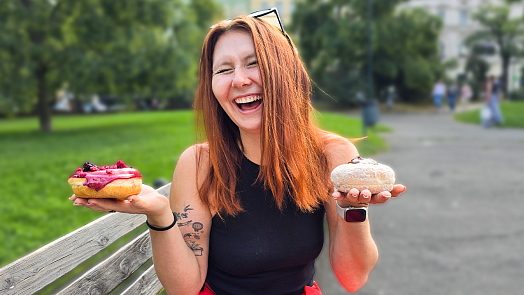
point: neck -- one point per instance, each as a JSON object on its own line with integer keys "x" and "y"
{"x": 251, "y": 143}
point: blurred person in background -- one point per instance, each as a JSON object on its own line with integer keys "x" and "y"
{"x": 439, "y": 91}
{"x": 465, "y": 94}
{"x": 250, "y": 202}
{"x": 492, "y": 97}
{"x": 390, "y": 97}
{"x": 452, "y": 95}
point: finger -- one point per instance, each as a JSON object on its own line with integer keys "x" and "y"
{"x": 381, "y": 197}
{"x": 397, "y": 190}
{"x": 97, "y": 208}
{"x": 353, "y": 195}
{"x": 107, "y": 204}
{"x": 137, "y": 201}
{"x": 80, "y": 202}
{"x": 338, "y": 195}
{"x": 365, "y": 196}
{"x": 73, "y": 197}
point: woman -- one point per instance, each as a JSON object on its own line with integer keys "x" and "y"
{"x": 492, "y": 98}
{"x": 465, "y": 94}
{"x": 250, "y": 201}
{"x": 439, "y": 91}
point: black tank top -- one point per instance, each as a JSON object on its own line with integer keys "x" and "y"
{"x": 263, "y": 250}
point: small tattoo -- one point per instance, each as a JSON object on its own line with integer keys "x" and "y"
{"x": 197, "y": 226}
{"x": 191, "y": 235}
{"x": 195, "y": 248}
{"x": 187, "y": 208}
{"x": 180, "y": 216}
{"x": 181, "y": 224}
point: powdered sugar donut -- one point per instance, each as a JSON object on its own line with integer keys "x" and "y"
{"x": 363, "y": 174}
{"x": 118, "y": 181}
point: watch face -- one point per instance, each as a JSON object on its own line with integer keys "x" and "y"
{"x": 356, "y": 215}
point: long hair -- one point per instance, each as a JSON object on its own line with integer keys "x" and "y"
{"x": 293, "y": 161}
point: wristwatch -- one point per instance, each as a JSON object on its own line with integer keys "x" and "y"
{"x": 353, "y": 214}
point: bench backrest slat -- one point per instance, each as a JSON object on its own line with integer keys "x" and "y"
{"x": 107, "y": 275}
{"x": 146, "y": 284}
{"x": 33, "y": 272}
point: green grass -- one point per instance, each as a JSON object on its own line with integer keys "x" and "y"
{"x": 34, "y": 167}
{"x": 513, "y": 113}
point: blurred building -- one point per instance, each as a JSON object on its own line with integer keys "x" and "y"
{"x": 458, "y": 24}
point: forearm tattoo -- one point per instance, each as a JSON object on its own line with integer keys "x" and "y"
{"x": 193, "y": 235}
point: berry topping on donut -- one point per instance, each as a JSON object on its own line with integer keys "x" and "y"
{"x": 360, "y": 160}
{"x": 88, "y": 167}
{"x": 98, "y": 177}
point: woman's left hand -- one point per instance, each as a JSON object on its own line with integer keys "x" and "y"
{"x": 148, "y": 202}
{"x": 355, "y": 197}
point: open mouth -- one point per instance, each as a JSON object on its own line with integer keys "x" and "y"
{"x": 249, "y": 102}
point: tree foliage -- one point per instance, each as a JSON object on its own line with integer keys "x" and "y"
{"x": 333, "y": 41}
{"x": 129, "y": 48}
{"x": 498, "y": 27}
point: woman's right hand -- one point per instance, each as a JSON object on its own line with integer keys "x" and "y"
{"x": 148, "y": 202}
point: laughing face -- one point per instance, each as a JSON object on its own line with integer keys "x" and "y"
{"x": 236, "y": 80}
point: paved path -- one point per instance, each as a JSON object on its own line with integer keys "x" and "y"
{"x": 459, "y": 227}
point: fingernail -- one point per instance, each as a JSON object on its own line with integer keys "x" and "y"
{"x": 404, "y": 189}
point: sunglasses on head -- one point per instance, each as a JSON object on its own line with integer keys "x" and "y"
{"x": 264, "y": 12}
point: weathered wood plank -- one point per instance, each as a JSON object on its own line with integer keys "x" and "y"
{"x": 107, "y": 275}
{"x": 147, "y": 284}
{"x": 38, "y": 269}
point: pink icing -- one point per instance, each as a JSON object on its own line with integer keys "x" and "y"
{"x": 102, "y": 176}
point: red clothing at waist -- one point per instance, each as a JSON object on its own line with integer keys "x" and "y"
{"x": 315, "y": 290}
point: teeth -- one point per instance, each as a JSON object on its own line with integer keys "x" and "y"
{"x": 248, "y": 99}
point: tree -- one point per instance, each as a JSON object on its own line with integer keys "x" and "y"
{"x": 333, "y": 38}
{"x": 476, "y": 69}
{"x": 499, "y": 28}
{"x": 124, "y": 47}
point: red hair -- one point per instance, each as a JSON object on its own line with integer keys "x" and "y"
{"x": 293, "y": 163}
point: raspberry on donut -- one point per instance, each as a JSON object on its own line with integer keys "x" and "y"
{"x": 117, "y": 181}
{"x": 361, "y": 173}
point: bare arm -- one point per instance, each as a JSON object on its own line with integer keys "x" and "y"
{"x": 180, "y": 254}
{"x": 353, "y": 252}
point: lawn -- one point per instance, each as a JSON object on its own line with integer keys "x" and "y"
{"x": 512, "y": 111}
{"x": 35, "y": 166}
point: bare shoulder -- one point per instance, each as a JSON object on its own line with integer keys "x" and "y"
{"x": 191, "y": 169}
{"x": 339, "y": 150}
{"x": 194, "y": 156}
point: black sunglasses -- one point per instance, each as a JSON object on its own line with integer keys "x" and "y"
{"x": 264, "y": 12}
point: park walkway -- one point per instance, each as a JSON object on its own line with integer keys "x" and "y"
{"x": 459, "y": 227}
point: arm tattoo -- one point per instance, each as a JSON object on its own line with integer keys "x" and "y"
{"x": 191, "y": 237}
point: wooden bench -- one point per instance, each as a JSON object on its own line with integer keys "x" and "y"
{"x": 44, "y": 266}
